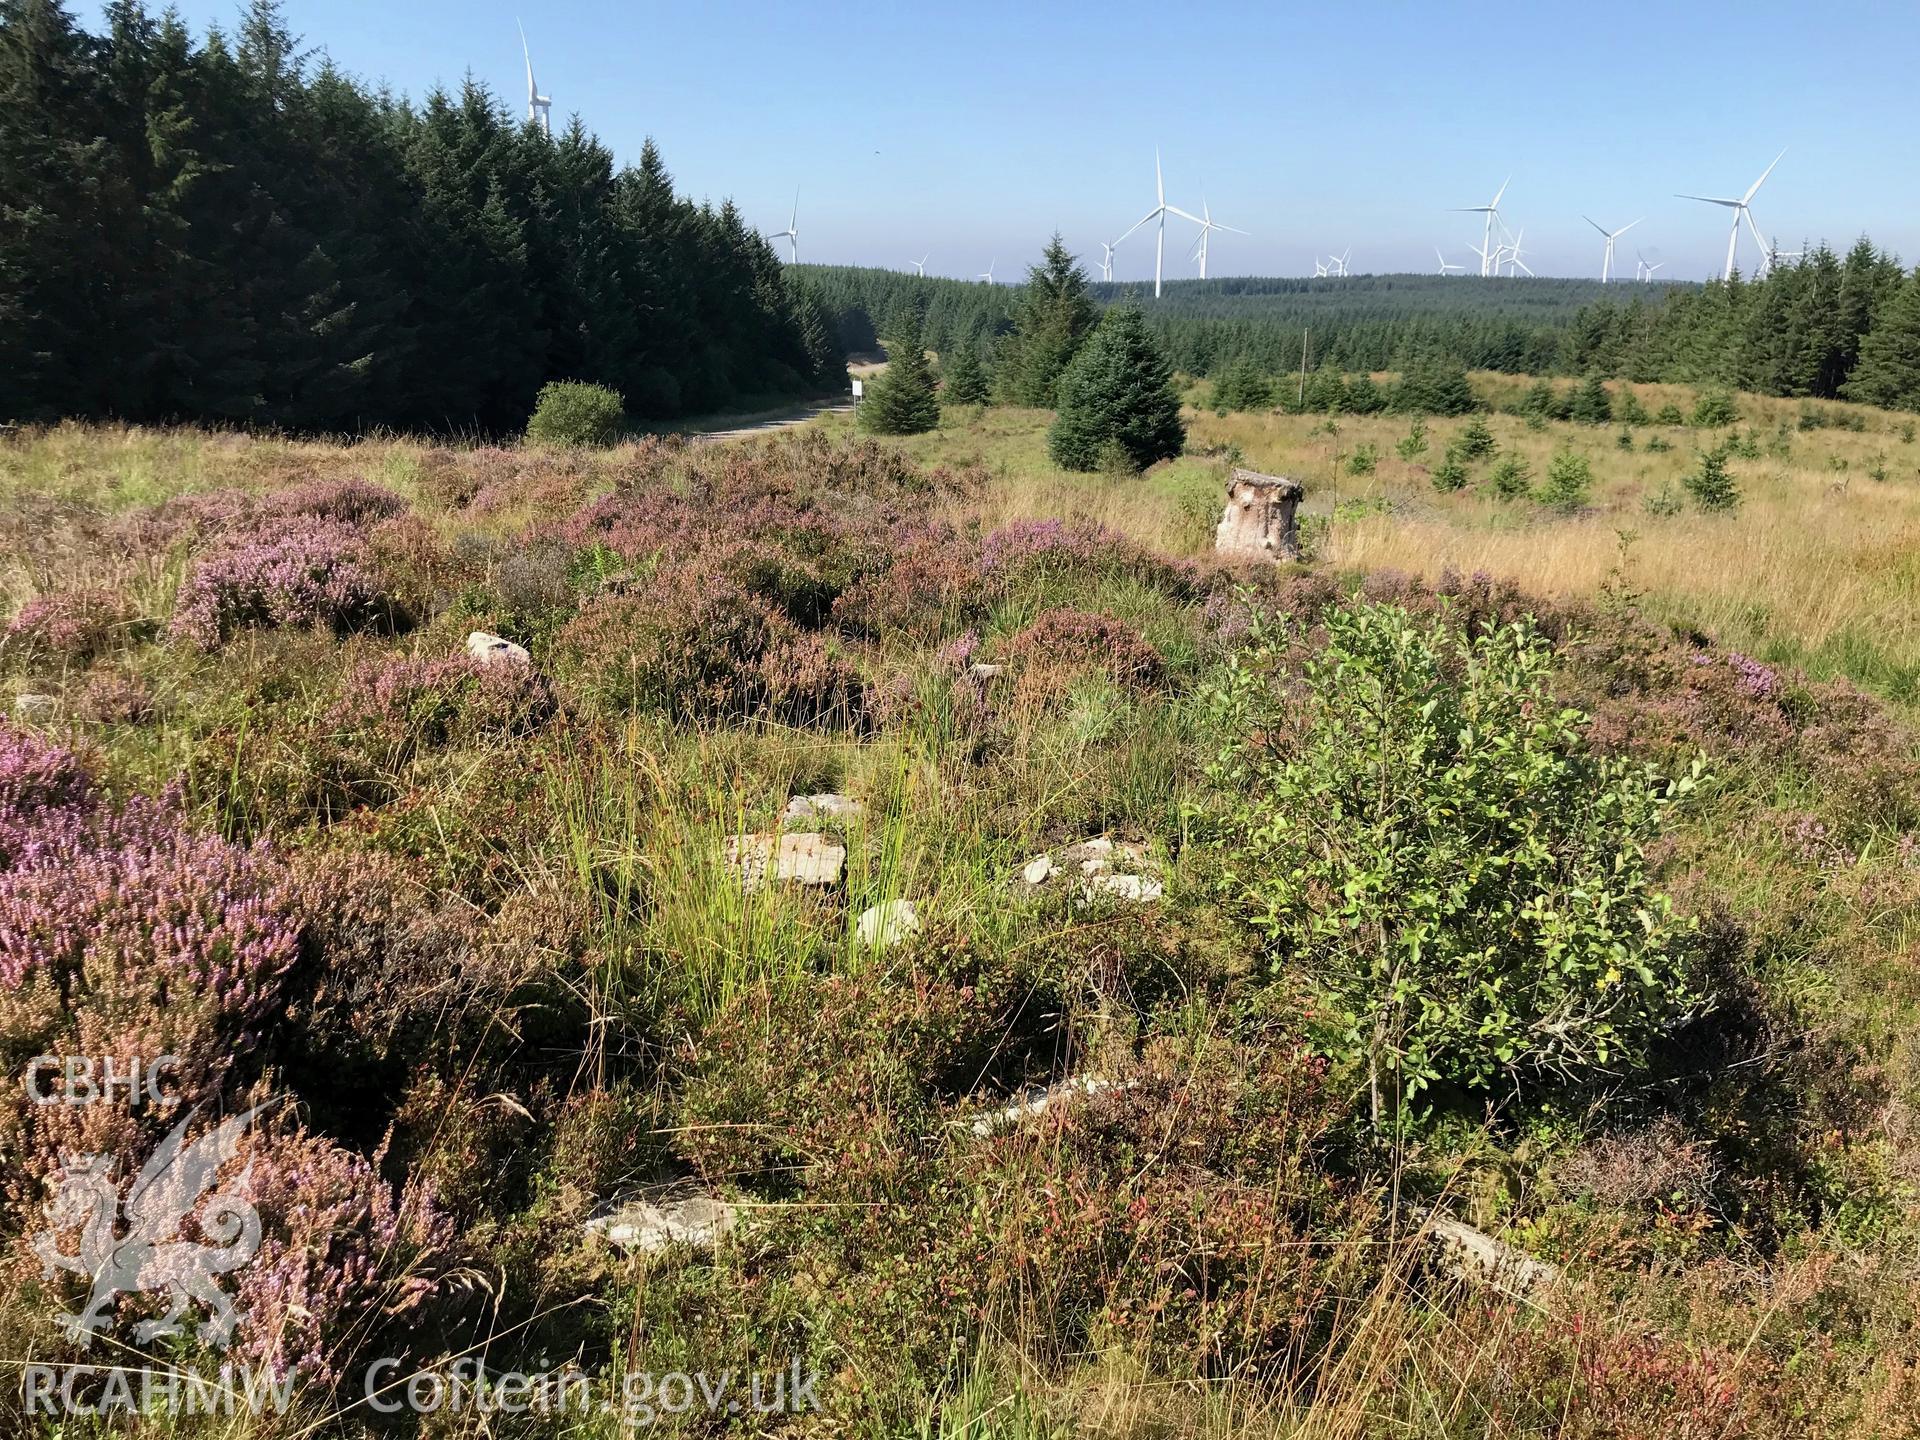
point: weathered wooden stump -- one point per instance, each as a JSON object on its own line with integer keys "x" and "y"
{"x": 1259, "y": 520}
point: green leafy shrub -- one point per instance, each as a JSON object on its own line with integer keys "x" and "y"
{"x": 1241, "y": 386}
{"x": 1670, "y": 415}
{"x": 1420, "y": 831}
{"x": 1627, "y": 408}
{"x": 901, "y": 399}
{"x": 1435, "y": 387}
{"x": 1591, "y": 404}
{"x": 1713, "y": 485}
{"x": 1415, "y": 444}
{"x": 572, "y": 412}
{"x": 1658, "y": 445}
{"x": 1664, "y": 502}
{"x": 1364, "y": 460}
{"x": 1714, "y": 409}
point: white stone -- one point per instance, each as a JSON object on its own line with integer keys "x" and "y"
{"x": 1038, "y": 870}
{"x": 1140, "y": 889}
{"x": 1475, "y": 1256}
{"x": 807, "y": 859}
{"x": 1039, "y": 1099}
{"x": 646, "y": 1227}
{"x": 493, "y": 650}
{"x": 980, "y": 670}
{"x": 34, "y": 708}
{"x": 887, "y": 923}
{"x": 826, "y": 806}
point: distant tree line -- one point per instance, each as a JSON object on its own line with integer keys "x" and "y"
{"x": 220, "y": 232}
{"x": 1824, "y": 327}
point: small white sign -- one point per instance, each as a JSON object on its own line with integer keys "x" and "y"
{"x": 856, "y": 389}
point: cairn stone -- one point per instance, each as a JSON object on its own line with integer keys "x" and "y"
{"x": 1118, "y": 869}
{"x": 649, "y": 1226}
{"x": 1259, "y": 521}
{"x": 494, "y": 650}
{"x": 828, "y": 806}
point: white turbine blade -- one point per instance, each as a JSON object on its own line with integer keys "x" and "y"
{"x": 533, "y": 94}
{"x": 1624, "y": 228}
{"x": 1711, "y": 200}
{"x": 1231, "y": 229}
{"x": 1159, "y": 184}
{"x": 1144, "y": 219}
{"x": 1176, "y": 210}
{"x": 1469, "y": 209}
{"x": 1500, "y": 192}
{"x": 1754, "y": 188}
{"x": 1594, "y": 223}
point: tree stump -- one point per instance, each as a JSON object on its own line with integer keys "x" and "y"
{"x": 1259, "y": 520}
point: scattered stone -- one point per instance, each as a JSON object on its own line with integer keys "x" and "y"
{"x": 1038, "y": 1099}
{"x": 1259, "y": 520}
{"x": 1038, "y": 870}
{"x": 648, "y": 1226}
{"x": 1477, "y": 1258}
{"x": 887, "y": 923}
{"x": 829, "y": 806}
{"x": 1122, "y": 869}
{"x": 1137, "y": 888}
{"x": 35, "y": 709}
{"x": 804, "y": 859}
{"x": 493, "y": 650}
{"x": 981, "y": 670}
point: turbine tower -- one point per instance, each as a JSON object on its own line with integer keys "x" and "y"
{"x": 1742, "y": 210}
{"x": 1159, "y": 213}
{"x": 1492, "y": 212}
{"x": 919, "y": 266}
{"x": 792, "y": 233}
{"x": 538, "y": 105}
{"x": 1514, "y": 252}
{"x": 1446, "y": 265}
{"x": 1606, "y": 264}
{"x": 1207, "y": 226}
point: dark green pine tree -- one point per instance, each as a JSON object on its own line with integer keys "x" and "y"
{"x": 1051, "y": 319}
{"x": 1888, "y": 371}
{"x": 1117, "y": 400}
{"x": 901, "y": 400}
{"x": 963, "y": 379}
{"x": 1591, "y": 404}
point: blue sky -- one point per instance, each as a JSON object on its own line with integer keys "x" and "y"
{"x": 970, "y": 131}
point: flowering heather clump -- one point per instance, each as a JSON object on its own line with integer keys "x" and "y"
{"x": 187, "y": 520}
{"x": 352, "y": 501}
{"x": 73, "y": 626}
{"x": 40, "y": 784}
{"x": 699, "y": 645}
{"x": 932, "y": 587}
{"x": 110, "y": 697}
{"x": 302, "y": 572}
{"x": 338, "y": 1248}
{"x": 1752, "y": 679}
{"x": 1064, "y": 643}
{"x": 403, "y": 704}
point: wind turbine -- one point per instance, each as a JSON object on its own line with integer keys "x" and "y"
{"x": 1445, "y": 264}
{"x": 1339, "y": 262}
{"x": 1207, "y": 226}
{"x": 1606, "y": 265}
{"x": 1514, "y": 252}
{"x": 987, "y": 274}
{"x": 1159, "y": 213}
{"x": 919, "y": 266}
{"x": 792, "y": 233}
{"x": 1492, "y": 212}
{"x": 537, "y": 104}
{"x": 1742, "y": 209}
{"x": 1644, "y": 268}
{"x": 1106, "y": 260}
{"x": 1319, "y": 268}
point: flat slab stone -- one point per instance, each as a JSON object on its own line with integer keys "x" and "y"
{"x": 804, "y": 859}
{"x": 649, "y": 1226}
{"x": 828, "y": 806}
{"x": 1478, "y": 1258}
